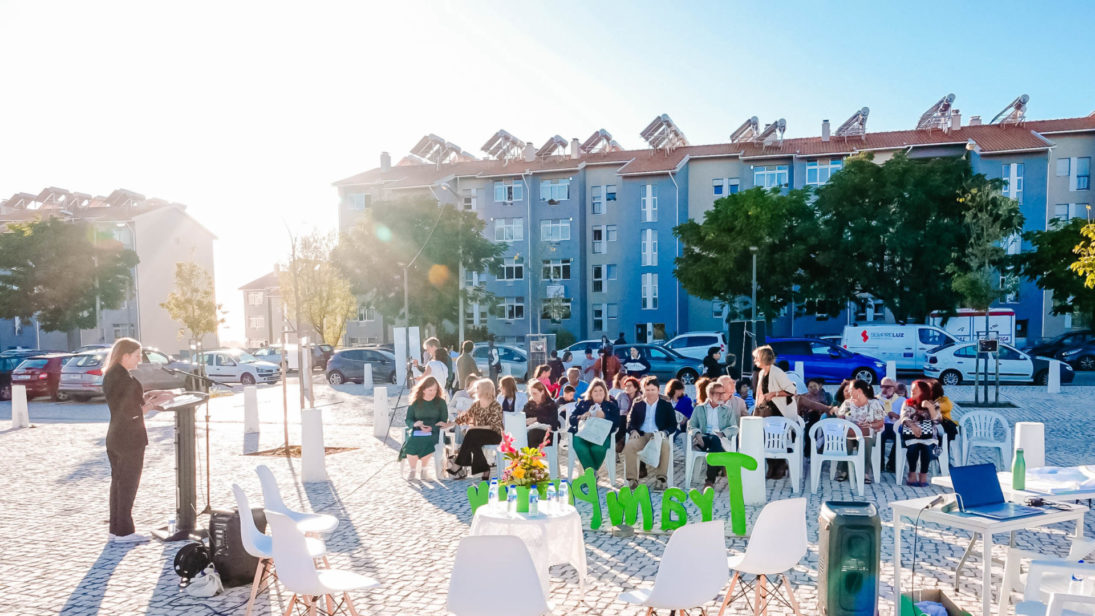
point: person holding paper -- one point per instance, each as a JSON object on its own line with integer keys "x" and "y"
{"x": 427, "y": 410}
{"x": 541, "y": 414}
{"x": 595, "y": 404}
{"x": 649, "y": 416}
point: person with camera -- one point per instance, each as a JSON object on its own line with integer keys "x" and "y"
{"x": 435, "y": 366}
{"x": 596, "y": 403}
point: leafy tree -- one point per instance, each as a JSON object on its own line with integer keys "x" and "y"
{"x": 891, "y": 231}
{"x": 1050, "y": 267}
{"x": 55, "y": 269}
{"x": 193, "y": 302}
{"x": 716, "y": 261}
{"x": 326, "y": 300}
{"x": 990, "y": 218}
{"x": 373, "y": 254}
{"x": 1085, "y": 264}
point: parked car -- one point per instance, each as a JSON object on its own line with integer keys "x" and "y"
{"x": 348, "y": 365}
{"x": 826, "y": 360}
{"x": 664, "y": 363}
{"x": 955, "y": 363}
{"x": 906, "y": 345}
{"x": 91, "y": 347}
{"x": 7, "y": 366}
{"x": 41, "y": 375}
{"x": 1081, "y": 356}
{"x": 82, "y": 376}
{"x": 696, "y": 344}
{"x": 514, "y": 360}
{"x": 1055, "y": 347}
{"x": 234, "y": 365}
{"x": 272, "y": 354}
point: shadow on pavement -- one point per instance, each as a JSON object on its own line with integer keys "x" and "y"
{"x": 88, "y": 595}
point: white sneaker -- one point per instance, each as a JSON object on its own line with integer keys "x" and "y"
{"x": 410, "y": 474}
{"x": 110, "y": 537}
{"x": 424, "y": 474}
{"x": 131, "y": 538}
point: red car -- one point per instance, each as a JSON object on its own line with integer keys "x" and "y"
{"x": 41, "y": 375}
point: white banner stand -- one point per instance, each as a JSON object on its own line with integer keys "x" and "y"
{"x": 250, "y": 410}
{"x": 367, "y": 380}
{"x": 891, "y": 369}
{"x": 20, "y": 416}
{"x": 751, "y": 438}
{"x": 1053, "y": 384}
{"x": 312, "y": 463}
{"x": 380, "y": 412}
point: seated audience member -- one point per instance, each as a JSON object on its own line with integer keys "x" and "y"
{"x": 891, "y": 405}
{"x": 919, "y": 417}
{"x": 682, "y": 404}
{"x": 596, "y": 403}
{"x": 426, "y": 413}
{"x": 865, "y": 411}
{"x": 484, "y": 427}
{"x": 649, "y": 415}
{"x": 540, "y": 410}
{"x": 710, "y": 420}
{"x": 578, "y": 384}
{"x": 511, "y": 399}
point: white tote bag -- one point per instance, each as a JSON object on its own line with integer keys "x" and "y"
{"x": 652, "y": 453}
{"x": 595, "y": 430}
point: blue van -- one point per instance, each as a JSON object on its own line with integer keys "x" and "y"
{"x": 825, "y": 360}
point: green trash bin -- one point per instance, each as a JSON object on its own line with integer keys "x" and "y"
{"x": 849, "y": 548}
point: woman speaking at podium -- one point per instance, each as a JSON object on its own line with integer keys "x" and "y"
{"x": 126, "y": 438}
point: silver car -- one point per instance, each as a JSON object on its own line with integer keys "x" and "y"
{"x": 82, "y": 376}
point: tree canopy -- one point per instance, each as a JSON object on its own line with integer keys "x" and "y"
{"x": 326, "y": 301}
{"x": 193, "y": 302}
{"x": 1048, "y": 266}
{"x": 990, "y": 218}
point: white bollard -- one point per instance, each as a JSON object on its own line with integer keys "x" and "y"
{"x": 250, "y": 410}
{"x": 380, "y": 412}
{"x": 751, "y": 443}
{"x": 312, "y": 452}
{"x": 1053, "y": 384}
{"x": 1030, "y": 436}
{"x": 20, "y": 417}
{"x": 367, "y": 380}
{"x": 891, "y": 369}
{"x": 800, "y": 369}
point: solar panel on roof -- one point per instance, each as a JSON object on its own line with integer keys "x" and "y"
{"x": 1014, "y": 112}
{"x": 663, "y": 133}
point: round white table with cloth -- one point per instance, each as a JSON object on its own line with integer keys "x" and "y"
{"x": 554, "y": 537}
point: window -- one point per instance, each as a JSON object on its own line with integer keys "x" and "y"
{"x": 650, "y": 291}
{"x": 870, "y": 309}
{"x": 555, "y": 190}
{"x": 933, "y": 337}
{"x": 511, "y": 269}
{"x": 513, "y": 308}
{"x": 475, "y": 315}
{"x": 254, "y": 298}
{"x": 257, "y": 322}
{"x": 123, "y": 330}
{"x": 1063, "y": 167}
{"x": 509, "y": 191}
{"x": 555, "y": 230}
{"x": 610, "y": 270}
{"x": 610, "y": 192}
{"x": 469, "y": 199}
{"x": 718, "y": 187}
{"x": 358, "y": 201}
{"x": 557, "y": 269}
{"x": 1067, "y": 211}
{"x": 733, "y": 186}
{"x": 1012, "y": 174}
{"x": 509, "y": 229}
{"x": 366, "y": 314}
{"x": 818, "y": 172}
{"x": 650, "y": 247}
{"x": 1083, "y": 173}
{"x": 601, "y": 235}
{"x": 649, "y": 202}
{"x": 598, "y": 278}
{"x": 966, "y": 351}
{"x": 556, "y": 308}
{"x": 771, "y": 177}
{"x": 602, "y": 314}
{"x": 718, "y": 309}
{"x": 610, "y": 233}
{"x": 473, "y": 279}
{"x": 598, "y": 199}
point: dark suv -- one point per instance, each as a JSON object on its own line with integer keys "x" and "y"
{"x": 348, "y": 365}
{"x": 41, "y": 375}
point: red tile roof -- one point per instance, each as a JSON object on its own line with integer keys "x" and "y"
{"x": 1062, "y": 125}
{"x": 269, "y": 281}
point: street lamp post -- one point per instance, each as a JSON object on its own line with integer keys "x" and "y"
{"x": 753, "y": 249}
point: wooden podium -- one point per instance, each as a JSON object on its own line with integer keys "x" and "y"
{"x": 186, "y": 492}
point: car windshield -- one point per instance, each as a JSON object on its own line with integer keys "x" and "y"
{"x": 33, "y": 363}
{"x": 242, "y": 357}
{"x": 89, "y": 360}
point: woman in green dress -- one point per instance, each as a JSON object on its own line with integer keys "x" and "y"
{"x": 427, "y": 411}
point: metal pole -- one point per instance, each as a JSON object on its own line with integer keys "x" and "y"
{"x": 753, "y": 249}
{"x": 460, "y": 295}
{"x": 406, "y": 302}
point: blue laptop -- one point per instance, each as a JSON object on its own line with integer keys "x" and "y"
{"x": 979, "y": 493}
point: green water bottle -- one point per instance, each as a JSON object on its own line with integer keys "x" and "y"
{"x": 1019, "y": 472}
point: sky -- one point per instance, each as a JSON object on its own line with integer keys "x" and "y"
{"x": 247, "y": 112}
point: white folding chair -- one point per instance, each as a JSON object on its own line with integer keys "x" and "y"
{"x": 670, "y": 467}
{"x": 272, "y": 502}
{"x": 691, "y": 572}
{"x": 781, "y": 434}
{"x": 1034, "y": 603}
{"x": 1015, "y": 581}
{"x": 610, "y": 457}
{"x": 691, "y": 455}
{"x": 438, "y": 452}
{"x": 777, "y": 544}
{"x": 942, "y": 463}
{"x": 876, "y": 456}
{"x": 981, "y": 429}
{"x": 832, "y": 435}
{"x": 297, "y": 571}
{"x": 481, "y": 561}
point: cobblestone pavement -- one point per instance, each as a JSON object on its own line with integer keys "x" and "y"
{"x": 53, "y": 514}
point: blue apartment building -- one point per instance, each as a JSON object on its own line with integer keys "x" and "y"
{"x": 588, "y": 228}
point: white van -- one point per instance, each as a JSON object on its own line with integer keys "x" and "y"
{"x": 968, "y": 322}
{"x": 908, "y": 345}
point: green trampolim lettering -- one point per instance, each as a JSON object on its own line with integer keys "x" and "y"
{"x": 624, "y": 506}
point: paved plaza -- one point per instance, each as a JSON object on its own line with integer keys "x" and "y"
{"x": 53, "y": 514}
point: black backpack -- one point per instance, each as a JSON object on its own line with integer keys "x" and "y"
{"x": 190, "y": 560}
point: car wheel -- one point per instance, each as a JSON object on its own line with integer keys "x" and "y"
{"x": 80, "y": 397}
{"x": 5, "y": 392}
{"x": 335, "y": 378}
{"x": 864, "y": 374}
{"x": 951, "y": 377}
{"x": 247, "y": 378}
{"x": 392, "y": 378}
{"x": 687, "y": 376}
{"x": 1042, "y": 378}
{"x": 1087, "y": 362}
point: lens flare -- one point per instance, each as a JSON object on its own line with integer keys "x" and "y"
{"x": 383, "y": 233}
{"x": 439, "y": 275}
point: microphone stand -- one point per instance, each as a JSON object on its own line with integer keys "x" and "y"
{"x": 205, "y": 383}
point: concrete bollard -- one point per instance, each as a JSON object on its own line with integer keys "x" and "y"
{"x": 800, "y": 369}
{"x": 891, "y": 369}
{"x": 751, "y": 443}
{"x": 381, "y": 411}
{"x": 367, "y": 380}
{"x": 20, "y": 416}
{"x": 250, "y": 410}
{"x": 312, "y": 464}
{"x": 1053, "y": 383}
{"x": 1030, "y": 436}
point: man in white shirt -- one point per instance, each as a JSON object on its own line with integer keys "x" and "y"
{"x": 891, "y": 403}
{"x": 649, "y": 415}
{"x": 434, "y": 367}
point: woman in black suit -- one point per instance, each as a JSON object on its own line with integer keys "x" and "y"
{"x": 126, "y": 438}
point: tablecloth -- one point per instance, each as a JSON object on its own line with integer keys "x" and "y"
{"x": 553, "y": 538}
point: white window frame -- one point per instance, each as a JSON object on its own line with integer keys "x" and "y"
{"x": 603, "y": 310}
{"x": 1083, "y": 181}
{"x": 649, "y": 243}
{"x": 649, "y": 291}
{"x": 610, "y": 193}
{"x": 1012, "y": 174}
{"x": 509, "y": 229}
{"x": 511, "y": 269}
{"x": 357, "y": 202}
{"x": 255, "y": 298}
{"x": 648, "y": 202}
{"x": 475, "y": 315}
{"x": 599, "y": 246}
{"x": 1067, "y": 171}
{"x": 772, "y": 176}
{"x": 257, "y": 322}
{"x": 555, "y": 229}
{"x": 555, "y": 190}
{"x": 556, "y": 269}
{"x": 718, "y": 187}
{"x": 818, "y": 174}
{"x": 508, "y": 191}
{"x": 513, "y": 308}
{"x": 366, "y": 314}
{"x": 597, "y": 202}
{"x": 470, "y": 199}
{"x": 598, "y": 277}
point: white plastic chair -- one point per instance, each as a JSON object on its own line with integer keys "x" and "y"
{"x": 481, "y": 561}
{"x": 259, "y": 545}
{"x": 692, "y": 455}
{"x": 691, "y": 572}
{"x": 438, "y": 453}
{"x": 669, "y": 468}
{"x": 832, "y": 435}
{"x": 272, "y": 502}
{"x": 876, "y": 456}
{"x": 1033, "y": 603}
{"x": 610, "y": 457}
{"x": 1014, "y": 581}
{"x": 777, "y": 543}
{"x": 942, "y": 463}
{"x": 781, "y": 434}
{"x": 979, "y": 429}
{"x": 297, "y": 571}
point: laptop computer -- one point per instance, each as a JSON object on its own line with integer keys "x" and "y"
{"x": 979, "y": 493}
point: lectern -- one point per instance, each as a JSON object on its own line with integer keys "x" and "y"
{"x": 186, "y": 493}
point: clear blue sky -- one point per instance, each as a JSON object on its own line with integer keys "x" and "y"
{"x": 247, "y": 111}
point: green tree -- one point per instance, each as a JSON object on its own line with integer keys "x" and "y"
{"x": 990, "y": 218}
{"x": 1050, "y": 267}
{"x": 716, "y": 260}
{"x": 891, "y": 231}
{"x": 326, "y": 300}
{"x": 56, "y": 269}
{"x": 193, "y": 302}
{"x": 373, "y": 254}
{"x": 1084, "y": 265}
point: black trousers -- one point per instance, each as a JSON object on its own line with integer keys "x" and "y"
{"x": 125, "y": 476}
{"x": 471, "y": 450}
{"x": 921, "y": 451}
{"x": 712, "y": 442}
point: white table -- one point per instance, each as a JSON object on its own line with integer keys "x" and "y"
{"x": 905, "y": 512}
{"x": 553, "y": 538}
{"x": 1020, "y": 496}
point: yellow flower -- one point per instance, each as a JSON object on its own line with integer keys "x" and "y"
{"x": 519, "y": 473}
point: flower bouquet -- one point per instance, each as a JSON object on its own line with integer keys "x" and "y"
{"x": 526, "y": 468}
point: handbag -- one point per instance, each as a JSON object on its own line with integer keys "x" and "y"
{"x": 652, "y": 452}
{"x": 207, "y": 584}
{"x": 595, "y": 430}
